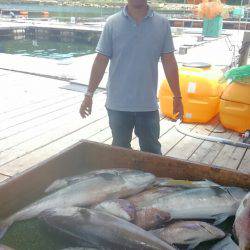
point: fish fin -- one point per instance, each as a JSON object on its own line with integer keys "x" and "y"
{"x": 219, "y": 218}
{"x": 193, "y": 245}
{"x": 4, "y": 226}
{"x": 56, "y": 185}
{"x": 62, "y": 183}
{"x": 211, "y": 183}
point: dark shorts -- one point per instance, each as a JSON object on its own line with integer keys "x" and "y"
{"x": 146, "y": 125}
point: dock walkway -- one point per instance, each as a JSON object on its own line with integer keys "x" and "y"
{"x": 39, "y": 115}
{"x": 39, "y": 118}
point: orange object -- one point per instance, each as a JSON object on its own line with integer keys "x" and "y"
{"x": 209, "y": 9}
{"x": 235, "y": 107}
{"x": 24, "y": 13}
{"x": 200, "y": 90}
{"x": 194, "y": 1}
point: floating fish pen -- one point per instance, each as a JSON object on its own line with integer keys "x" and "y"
{"x": 50, "y": 33}
{"x": 61, "y": 34}
{"x": 12, "y": 33}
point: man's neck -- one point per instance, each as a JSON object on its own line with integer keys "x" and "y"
{"x": 137, "y": 13}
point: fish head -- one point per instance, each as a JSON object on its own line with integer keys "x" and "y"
{"x": 138, "y": 178}
{"x": 150, "y": 218}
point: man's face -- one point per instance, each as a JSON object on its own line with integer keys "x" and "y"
{"x": 137, "y": 3}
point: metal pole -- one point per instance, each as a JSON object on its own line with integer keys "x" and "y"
{"x": 244, "y": 51}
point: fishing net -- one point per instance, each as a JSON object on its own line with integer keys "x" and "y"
{"x": 240, "y": 75}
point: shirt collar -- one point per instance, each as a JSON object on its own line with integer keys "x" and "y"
{"x": 149, "y": 14}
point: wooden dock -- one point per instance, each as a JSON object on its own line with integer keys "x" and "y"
{"x": 39, "y": 118}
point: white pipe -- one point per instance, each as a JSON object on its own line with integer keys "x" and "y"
{"x": 209, "y": 138}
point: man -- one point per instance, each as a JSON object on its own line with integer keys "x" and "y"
{"x": 133, "y": 40}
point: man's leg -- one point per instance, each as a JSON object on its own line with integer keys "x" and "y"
{"x": 147, "y": 128}
{"x": 122, "y": 125}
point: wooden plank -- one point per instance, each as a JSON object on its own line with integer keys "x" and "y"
{"x": 72, "y": 124}
{"x": 230, "y": 156}
{"x": 43, "y": 153}
{"x": 37, "y": 126}
{"x": 57, "y": 105}
{"x": 208, "y": 151}
{"x": 102, "y": 136}
{"x": 245, "y": 163}
{"x": 22, "y": 127}
{"x": 26, "y": 92}
{"x": 32, "y": 106}
{"x": 172, "y": 137}
{"x": 188, "y": 145}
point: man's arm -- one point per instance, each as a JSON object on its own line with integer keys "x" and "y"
{"x": 171, "y": 71}
{"x": 97, "y": 73}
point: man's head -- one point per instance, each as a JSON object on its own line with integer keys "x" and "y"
{"x": 137, "y": 3}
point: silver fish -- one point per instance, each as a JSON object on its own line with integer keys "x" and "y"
{"x": 87, "y": 192}
{"x": 242, "y": 223}
{"x": 190, "y": 233}
{"x": 64, "y": 182}
{"x": 100, "y": 229}
{"x": 217, "y": 203}
{"x": 226, "y": 244}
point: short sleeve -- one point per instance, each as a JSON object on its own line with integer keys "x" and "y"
{"x": 168, "y": 46}
{"x": 104, "y": 45}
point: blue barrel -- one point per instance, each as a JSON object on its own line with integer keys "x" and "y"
{"x": 212, "y": 27}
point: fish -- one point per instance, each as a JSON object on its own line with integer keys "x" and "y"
{"x": 102, "y": 230}
{"x": 168, "y": 182}
{"x": 89, "y": 191}
{"x": 242, "y": 223}
{"x": 118, "y": 207}
{"x": 64, "y": 182}
{"x": 216, "y": 203}
{"x": 226, "y": 244}
{"x": 126, "y": 209}
{"x": 189, "y": 233}
{"x": 3, "y": 247}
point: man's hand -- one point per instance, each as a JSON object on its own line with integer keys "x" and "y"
{"x": 86, "y": 107}
{"x": 178, "y": 107}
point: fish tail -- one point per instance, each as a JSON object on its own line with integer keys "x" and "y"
{"x": 4, "y": 226}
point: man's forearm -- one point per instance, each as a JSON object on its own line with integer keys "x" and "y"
{"x": 97, "y": 72}
{"x": 171, "y": 72}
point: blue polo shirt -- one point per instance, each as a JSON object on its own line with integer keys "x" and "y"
{"x": 134, "y": 51}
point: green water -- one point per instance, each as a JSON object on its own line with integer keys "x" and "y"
{"x": 46, "y": 48}
{"x": 31, "y": 235}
